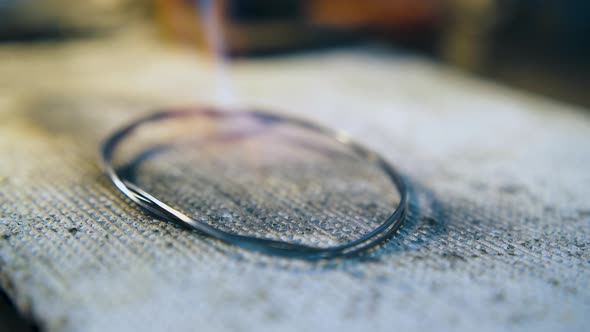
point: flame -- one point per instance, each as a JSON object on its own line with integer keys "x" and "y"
{"x": 212, "y": 18}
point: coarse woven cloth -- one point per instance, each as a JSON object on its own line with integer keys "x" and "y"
{"x": 497, "y": 236}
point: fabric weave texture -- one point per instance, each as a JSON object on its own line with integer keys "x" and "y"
{"x": 497, "y": 236}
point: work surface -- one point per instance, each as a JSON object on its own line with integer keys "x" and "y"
{"x": 497, "y": 238}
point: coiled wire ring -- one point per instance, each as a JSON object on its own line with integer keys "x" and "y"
{"x": 274, "y": 247}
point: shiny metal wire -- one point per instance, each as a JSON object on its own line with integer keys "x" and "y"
{"x": 274, "y": 247}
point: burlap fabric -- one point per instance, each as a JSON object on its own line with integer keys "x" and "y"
{"x": 497, "y": 237}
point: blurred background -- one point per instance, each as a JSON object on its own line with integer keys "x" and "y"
{"x": 541, "y": 46}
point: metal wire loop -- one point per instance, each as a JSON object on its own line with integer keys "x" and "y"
{"x": 159, "y": 208}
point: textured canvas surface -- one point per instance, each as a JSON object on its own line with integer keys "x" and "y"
{"x": 497, "y": 238}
